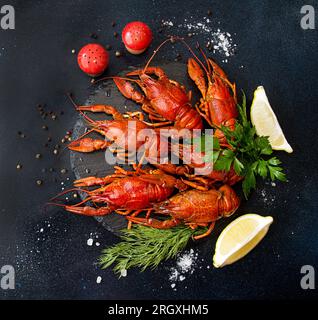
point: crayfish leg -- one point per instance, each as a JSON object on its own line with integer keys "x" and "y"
{"x": 195, "y": 185}
{"x": 136, "y": 213}
{"x": 154, "y": 223}
{"x": 205, "y": 234}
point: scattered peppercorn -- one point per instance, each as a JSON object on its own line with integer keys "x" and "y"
{"x": 55, "y": 151}
{"x": 73, "y": 51}
{"x": 54, "y": 116}
{"x": 87, "y": 170}
{"x": 38, "y": 156}
{"x": 49, "y": 139}
{"x": 118, "y": 54}
{"x": 63, "y": 140}
{"x": 209, "y": 13}
{"x": 92, "y": 80}
{"x": 113, "y": 23}
{"x": 39, "y": 182}
{"x": 190, "y": 34}
{"x": 63, "y": 171}
{"x": 108, "y": 47}
{"x": 57, "y": 146}
{"x": 93, "y": 35}
{"x": 44, "y": 127}
{"x": 115, "y": 34}
{"x": 69, "y": 138}
{"x": 51, "y": 169}
{"x": 75, "y": 195}
{"x": 19, "y": 166}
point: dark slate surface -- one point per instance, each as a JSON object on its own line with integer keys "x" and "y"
{"x": 36, "y": 66}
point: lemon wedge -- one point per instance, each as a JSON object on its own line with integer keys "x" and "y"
{"x": 266, "y": 123}
{"x": 239, "y": 238}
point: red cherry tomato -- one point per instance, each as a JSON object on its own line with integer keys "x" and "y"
{"x": 93, "y": 59}
{"x": 136, "y": 36}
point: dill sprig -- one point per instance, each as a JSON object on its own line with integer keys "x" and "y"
{"x": 145, "y": 247}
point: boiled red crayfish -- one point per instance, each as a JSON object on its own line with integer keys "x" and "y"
{"x": 125, "y": 192}
{"x": 164, "y": 99}
{"x": 218, "y": 105}
{"x": 128, "y": 133}
{"x": 194, "y": 208}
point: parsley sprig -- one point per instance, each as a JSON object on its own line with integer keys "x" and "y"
{"x": 249, "y": 154}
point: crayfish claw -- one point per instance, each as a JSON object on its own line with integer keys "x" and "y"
{"x": 89, "y": 211}
{"x": 88, "y": 145}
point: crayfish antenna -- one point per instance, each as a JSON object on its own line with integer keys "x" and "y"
{"x": 194, "y": 55}
{"x": 46, "y": 205}
{"x": 80, "y": 111}
{"x": 206, "y": 60}
{"x": 68, "y": 191}
{"x": 114, "y": 77}
{"x": 171, "y": 38}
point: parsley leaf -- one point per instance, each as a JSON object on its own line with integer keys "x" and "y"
{"x": 247, "y": 154}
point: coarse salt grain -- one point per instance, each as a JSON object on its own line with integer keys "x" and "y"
{"x": 222, "y": 41}
{"x": 99, "y": 279}
{"x": 123, "y": 273}
{"x": 174, "y": 274}
{"x": 185, "y": 264}
{"x": 167, "y": 23}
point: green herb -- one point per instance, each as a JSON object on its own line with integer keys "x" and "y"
{"x": 248, "y": 153}
{"x": 145, "y": 247}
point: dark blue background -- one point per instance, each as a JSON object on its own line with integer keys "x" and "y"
{"x": 36, "y": 66}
